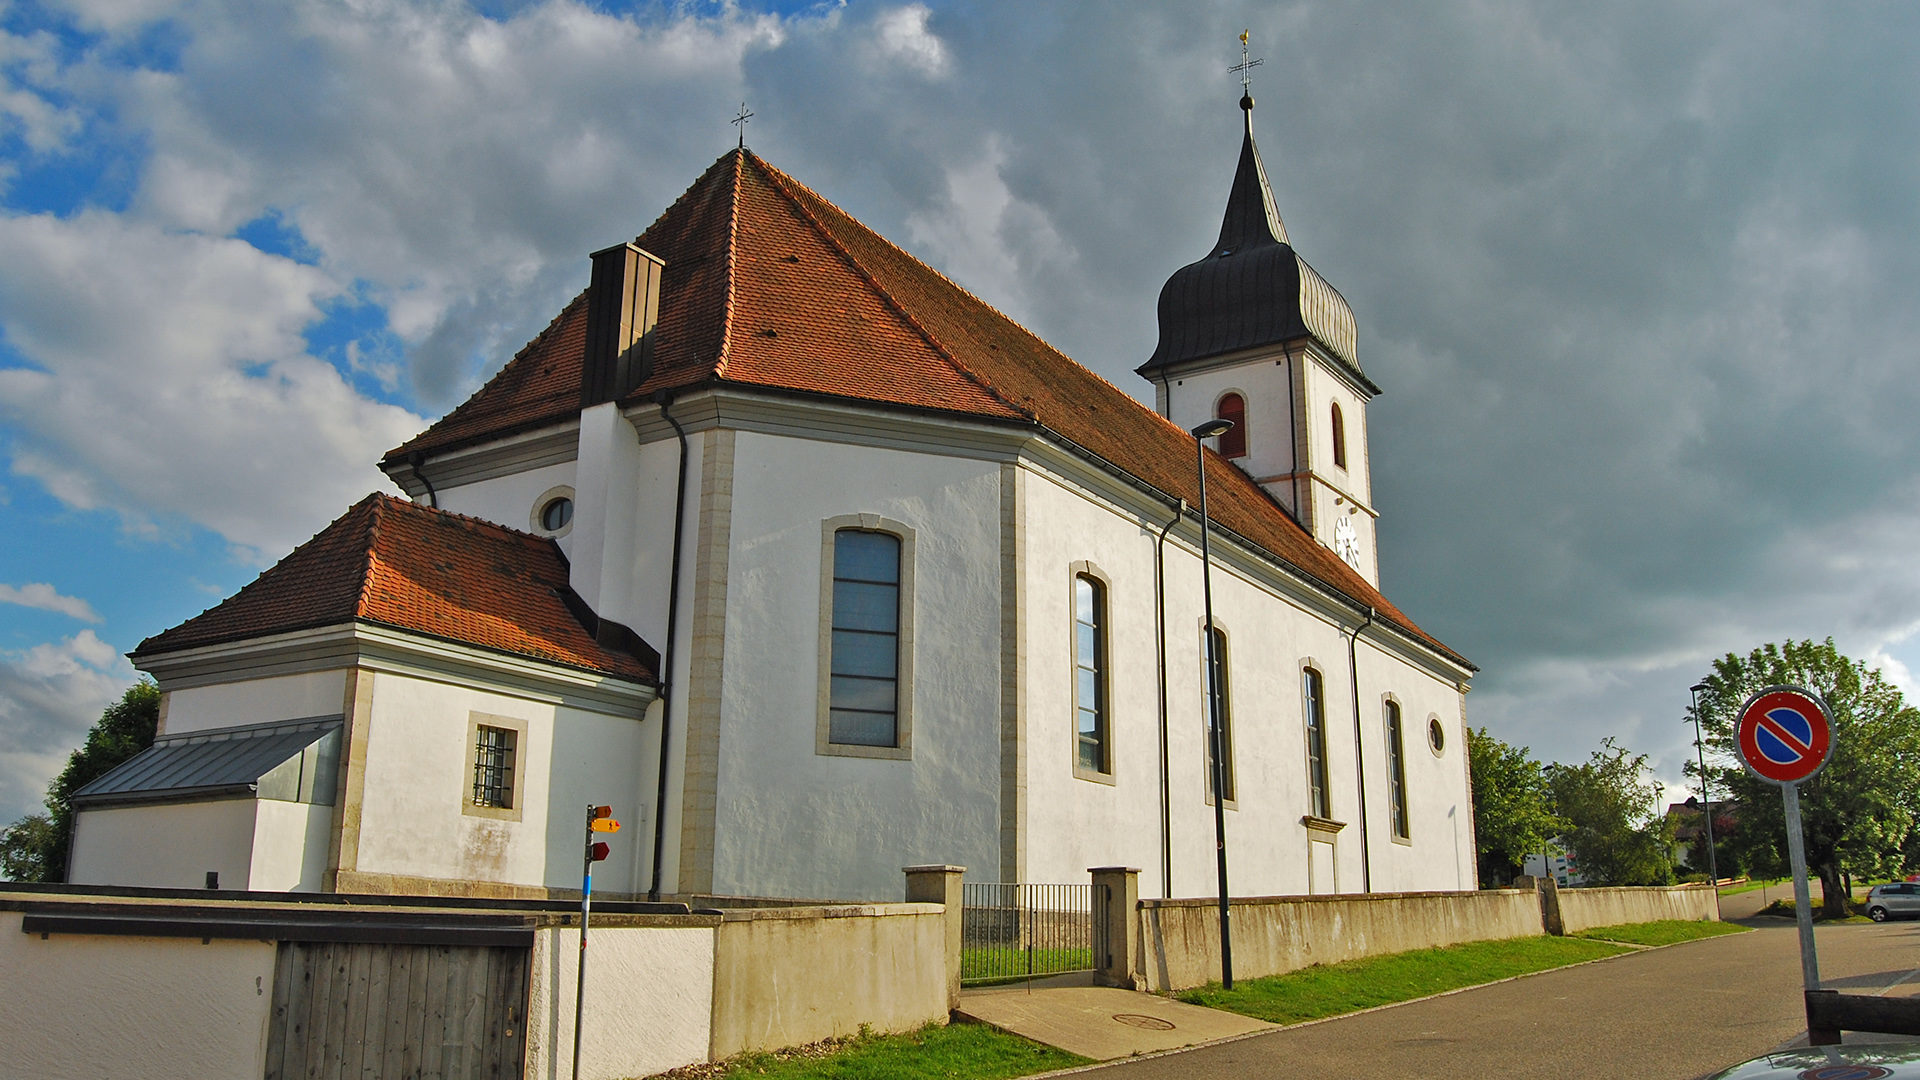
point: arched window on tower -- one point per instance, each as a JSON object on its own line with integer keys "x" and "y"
{"x": 1233, "y": 407}
{"x": 1339, "y": 438}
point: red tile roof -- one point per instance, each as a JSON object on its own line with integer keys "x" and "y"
{"x": 393, "y": 563}
{"x": 767, "y": 284}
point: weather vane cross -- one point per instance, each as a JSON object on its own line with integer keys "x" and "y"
{"x": 741, "y": 121}
{"x": 1245, "y": 67}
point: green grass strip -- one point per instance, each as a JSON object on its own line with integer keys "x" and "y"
{"x": 974, "y": 1051}
{"x": 1333, "y": 989}
{"x": 1661, "y": 932}
{"x": 1754, "y": 886}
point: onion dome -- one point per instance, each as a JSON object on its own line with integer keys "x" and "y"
{"x": 1251, "y": 290}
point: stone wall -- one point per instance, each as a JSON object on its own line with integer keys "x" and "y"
{"x": 1583, "y": 909}
{"x": 1180, "y": 939}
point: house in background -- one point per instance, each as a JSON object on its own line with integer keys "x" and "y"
{"x": 814, "y": 565}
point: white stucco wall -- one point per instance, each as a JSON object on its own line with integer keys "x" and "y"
{"x": 116, "y": 1008}
{"x": 255, "y": 701}
{"x": 1263, "y": 381}
{"x": 289, "y": 846}
{"x": 165, "y": 845}
{"x": 509, "y": 500}
{"x": 624, "y": 1032}
{"x": 794, "y": 822}
{"x": 419, "y": 776}
{"x": 1075, "y": 822}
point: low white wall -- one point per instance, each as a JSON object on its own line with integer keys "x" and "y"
{"x": 1584, "y": 908}
{"x": 104, "y": 1008}
{"x": 1180, "y": 939}
{"x": 649, "y": 999}
{"x": 166, "y": 845}
{"x": 289, "y": 846}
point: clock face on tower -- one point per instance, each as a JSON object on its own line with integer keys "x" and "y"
{"x": 1346, "y": 542}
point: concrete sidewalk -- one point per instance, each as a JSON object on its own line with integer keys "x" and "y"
{"x": 1100, "y": 1022}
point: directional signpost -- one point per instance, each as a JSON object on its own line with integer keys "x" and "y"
{"x": 1784, "y": 738}
{"x": 600, "y": 819}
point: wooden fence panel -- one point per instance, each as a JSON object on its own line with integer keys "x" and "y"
{"x": 384, "y": 1011}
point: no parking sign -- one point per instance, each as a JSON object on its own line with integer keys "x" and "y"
{"x": 1783, "y": 735}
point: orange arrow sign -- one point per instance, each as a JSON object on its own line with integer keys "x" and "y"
{"x": 605, "y": 824}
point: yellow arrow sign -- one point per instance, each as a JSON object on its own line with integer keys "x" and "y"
{"x": 605, "y": 824}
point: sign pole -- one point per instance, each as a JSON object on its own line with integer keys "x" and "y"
{"x": 586, "y": 909}
{"x": 1802, "y": 905}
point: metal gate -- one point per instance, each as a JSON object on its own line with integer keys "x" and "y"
{"x": 1012, "y": 931}
{"x": 356, "y": 1009}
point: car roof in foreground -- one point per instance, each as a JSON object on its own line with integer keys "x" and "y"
{"x": 1872, "y": 1061}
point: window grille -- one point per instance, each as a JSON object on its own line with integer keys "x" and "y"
{"x": 1397, "y": 772}
{"x": 1219, "y": 695}
{"x": 493, "y": 767}
{"x": 1313, "y": 689}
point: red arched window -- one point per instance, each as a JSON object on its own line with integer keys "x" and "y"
{"x": 1234, "y": 443}
{"x": 1339, "y": 438}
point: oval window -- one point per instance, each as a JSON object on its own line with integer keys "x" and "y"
{"x": 557, "y": 514}
{"x": 1436, "y": 736}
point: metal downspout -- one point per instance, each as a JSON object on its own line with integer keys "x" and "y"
{"x": 418, "y": 460}
{"x": 1360, "y": 752}
{"x": 1160, "y": 651}
{"x": 665, "y": 401}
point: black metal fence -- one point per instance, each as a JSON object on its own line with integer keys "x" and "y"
{"x": 1012, "y": 931}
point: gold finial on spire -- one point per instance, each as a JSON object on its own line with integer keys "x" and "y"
{"x": 1244, "y": 69}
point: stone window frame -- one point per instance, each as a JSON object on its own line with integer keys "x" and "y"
{"x": 1325, "y": 774}
{"x": 1100, "y": 578}
{"x": 516, "y": 725}
{"x": 902, "y": 750}
{"x": 1231, "y": 778}
{"x": 1436, "y": 735}
{"x": 1393, "y": 724}
{"x": 558, "y": 491}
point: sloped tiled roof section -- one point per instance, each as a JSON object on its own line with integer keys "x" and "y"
{"x": 768, "y": 284}
{"x": 394, "y": 563}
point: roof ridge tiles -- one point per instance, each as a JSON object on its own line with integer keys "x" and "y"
{"x": 731, "y": 291}
{"x": 371, "y": 545}
{"x": 780, "y": 181}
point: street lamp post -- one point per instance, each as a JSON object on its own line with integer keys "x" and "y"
{"x": 1200, "y": 434}
{"x": 1706, "y": 804}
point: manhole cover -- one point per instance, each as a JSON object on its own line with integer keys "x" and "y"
{"x": 1146, "y": 1023}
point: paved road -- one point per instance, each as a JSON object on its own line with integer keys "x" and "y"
{"x": 1621, "y": 1019}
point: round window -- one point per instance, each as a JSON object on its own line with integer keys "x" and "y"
{"x": 1436, "y": 736}
{"x": 557, "y": 514}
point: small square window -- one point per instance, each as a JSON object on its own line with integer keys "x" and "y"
{"x": 493, "y": 753}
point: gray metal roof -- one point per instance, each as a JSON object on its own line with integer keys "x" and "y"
{"x": 293, "y": 760}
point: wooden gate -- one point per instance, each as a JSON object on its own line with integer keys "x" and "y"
{"x": 394, "y": 1011}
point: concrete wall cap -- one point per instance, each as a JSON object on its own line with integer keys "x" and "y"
{"x": 1329, "y": 898}
{"x": 836, "y": 911}
{"x": 1113, "y": 869}
{"x": 933, "y": 868}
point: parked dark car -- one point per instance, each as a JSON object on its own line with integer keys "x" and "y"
{"x": 1870, "y": 1062}
{"x": 1900, "y": 898}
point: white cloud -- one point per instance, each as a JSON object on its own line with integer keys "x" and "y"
{"x": 47, "y": 598}
{"x": 986, "y": 238}
{"x": 901, "y": 37}
{"x": 50, "y": 695}
{"x": 174, "y": 381}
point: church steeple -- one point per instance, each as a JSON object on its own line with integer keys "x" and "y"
{"x": 1252, "y": 289}
{"x": 1250, "y": 331}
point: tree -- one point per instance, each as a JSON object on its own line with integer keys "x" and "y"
{"x": 1858, "y": 817}
{"x": 35, "y": 847}
{"x": 1512, "y": 812}
{"x": 1613, "y": 826}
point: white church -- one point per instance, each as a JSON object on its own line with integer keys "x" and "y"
{"x": 813, "y": 566}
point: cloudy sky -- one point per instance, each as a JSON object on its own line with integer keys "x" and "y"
{"x": 1638, "y": 279}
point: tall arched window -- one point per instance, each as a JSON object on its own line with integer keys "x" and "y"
{"x": 864, "y": 698}
{"x": 1339, "y": 438}
{"x": 1090, "y": 673}
{"x": 1219, "y": 699}
{"x": 1397, "y": 772}
{"x": 1234, "y": 443}
{"x": 1313, "y": 690}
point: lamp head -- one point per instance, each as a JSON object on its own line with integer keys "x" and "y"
{"x": 1697, "y": 687}
{"x": 1213, "y": 427}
